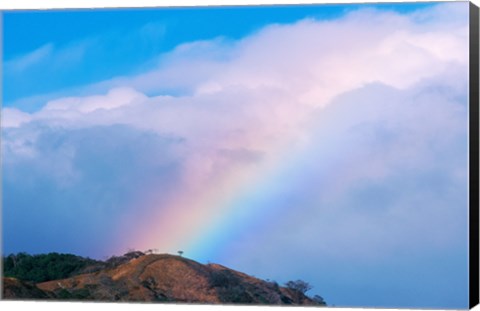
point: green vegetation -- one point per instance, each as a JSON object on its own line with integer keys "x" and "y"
{"x": 45, "y": 267}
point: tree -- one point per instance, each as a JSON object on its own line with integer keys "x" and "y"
{"x": 180, "y": 253}
{"x": 133, "y": 254}
{"x": 299, "y": 286}
{"x": 299, "y": 289}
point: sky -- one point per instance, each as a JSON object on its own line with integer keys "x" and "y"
{"x": 326, "y": 143}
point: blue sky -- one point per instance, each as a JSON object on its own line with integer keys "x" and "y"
{"x": 326, "y": 143}
{"x": 79, "y": 47}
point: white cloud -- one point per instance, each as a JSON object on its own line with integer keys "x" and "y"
{"x": 12, "y": 117}
{"x": 274, "y": 78}
{"x": 115, "y": 98}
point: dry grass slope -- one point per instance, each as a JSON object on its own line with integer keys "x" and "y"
{"x": 160, "y": 278}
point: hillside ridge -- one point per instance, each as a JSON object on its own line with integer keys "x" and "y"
{"x": 139, "y": 277}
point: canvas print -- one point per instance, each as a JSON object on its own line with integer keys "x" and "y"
{"x": 300, "y": 155}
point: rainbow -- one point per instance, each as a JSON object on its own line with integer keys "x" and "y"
{"x": 205, "y": 217}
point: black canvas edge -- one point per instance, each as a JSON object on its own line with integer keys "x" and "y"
{"x": 474, "y": 156}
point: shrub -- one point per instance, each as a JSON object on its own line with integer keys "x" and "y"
{"x": 319, "y": 300}
{"x": 299, "y": 286}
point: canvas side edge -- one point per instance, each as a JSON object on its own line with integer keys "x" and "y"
{"x": 474, "y": 156}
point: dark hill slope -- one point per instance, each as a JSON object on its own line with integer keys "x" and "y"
{"x": 13, "y": 288}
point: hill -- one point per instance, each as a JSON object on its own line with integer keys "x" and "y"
{"x": 158, "y": 278}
